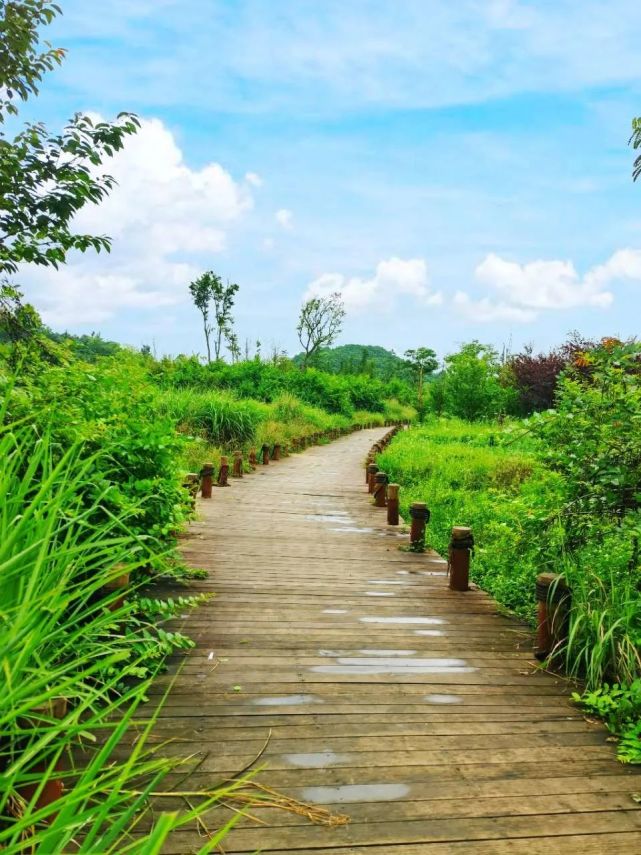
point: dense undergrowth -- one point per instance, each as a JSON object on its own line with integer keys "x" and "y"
{"x": 559, "y": 492}
{"x": 94, "y": 456}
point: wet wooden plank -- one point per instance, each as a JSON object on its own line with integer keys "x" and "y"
{"x": 418, "y": 711}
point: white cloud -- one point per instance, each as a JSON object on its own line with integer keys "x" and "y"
{"x": 166, "y": 221}
{"x": 523, "y": 291}
{"x": 337, "y": 55}
{"x": 392, "y": 278}
{"x": 486, "y": 311}
{"x": 541, "y": 284}
{"x": 284, "y": 218}
{"x": 254, "y": 179}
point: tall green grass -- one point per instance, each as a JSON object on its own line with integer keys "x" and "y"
{"x": 60, "y": 640}
{"x": 216, "y": 422}
{"x": 217, "y": 417}
{"x": 491, "y": 478}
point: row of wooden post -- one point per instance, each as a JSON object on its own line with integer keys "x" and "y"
{"x": 386, "y": 495}
{"x": 553, "y": 596}
{"x": 205, "y": 479}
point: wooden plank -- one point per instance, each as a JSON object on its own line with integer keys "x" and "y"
{"x": 484, "y": 753}
{"x": 431, "y": 831}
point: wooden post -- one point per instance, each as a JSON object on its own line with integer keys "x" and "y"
{"x": 372, "y": 469}
{"x": 238, "y": 464}
{"x": 223, "y": 472}
{"x": 265, "y": 453}
{"x": 380, "y": 489}
{"x": 53, "y": 787}
{"x": 206, "y": 480}
{"x": 369, "y": 459}
{"x": 461, "y": 548}
{"x": 118, "y": 583}
{"x": 392, "y": 504}
{"x": 553, "y": 611}
{"x": 253, "y": 460}
{"x": 420, "y": 516}
{"x": 276, "y": 452}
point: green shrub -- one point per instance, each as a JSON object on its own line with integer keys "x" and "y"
{"x": 108, "y": 405}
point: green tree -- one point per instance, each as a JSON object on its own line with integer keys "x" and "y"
{"x": 423, "y": 363}
{"x": 44, "y": 179}
{"x": 201, "y": 292}
{"x": 319, "y": 323}
{"x": 223, "y": 300}
{"x": 209, "y": 293}
{"x": 471, "y": 382}
{"x": 234, "y": 346}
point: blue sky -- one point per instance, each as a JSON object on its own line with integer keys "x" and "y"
{"x": 456, "y": 170}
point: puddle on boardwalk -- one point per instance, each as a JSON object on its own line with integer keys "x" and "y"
{"x": 335, "y": 611}
{"x": 386, "y": 652}
{"x": 385, "y": 582}
{"x": 380, "y": 594}
{"x": 431, "y": 632}
{"x": 344, "y": 524}
{"x": 402, "y": 620}
{"x": 340, "y": 519}
{"x": 287, "y": 701}
{"x": 354, "y": 793}
{"x": 349, "y": 529}
{"x": 443, "y": 699}
{"x": 394, "y": 665}
{"x": 317, "y": 760}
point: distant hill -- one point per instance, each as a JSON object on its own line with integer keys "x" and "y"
{"x": 359, "y": 359}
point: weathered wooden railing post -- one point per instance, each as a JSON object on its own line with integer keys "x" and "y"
{"x": 460, "y": 551}
{"x": 117, "y": 583}
{"x": 554, "y": 599}
{"x": 420, "y": 516}
{"x": 265, "y": 454}
{"x": 223, "y": 472}
{"x": 276, "y": 452}
{"x": 238, "y": 464}
{"x": 52, "y": 788}
{"x": 206, "y": 480}
{"x": 253, "y": 460}
{"x": 372, "y": 469}
{"x": 392, "y": 504}
{"x": 380, "y": 489}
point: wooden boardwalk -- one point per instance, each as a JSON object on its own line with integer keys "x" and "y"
{"x": 417, "y": 711}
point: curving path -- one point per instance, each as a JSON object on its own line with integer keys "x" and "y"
{"x": 417, "y": 711}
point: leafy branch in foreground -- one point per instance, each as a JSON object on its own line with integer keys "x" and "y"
{"x": 45, "y": 179}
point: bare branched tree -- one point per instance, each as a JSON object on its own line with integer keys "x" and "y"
{"x": 320, "y": 322}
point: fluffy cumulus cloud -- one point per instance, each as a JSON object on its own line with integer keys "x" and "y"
{"x": 521, "y": 292}
{"x": 163, "y": 217}
{"x": 392, "y": 278}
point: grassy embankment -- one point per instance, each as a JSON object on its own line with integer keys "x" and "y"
{"x": 499, "y": 481}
